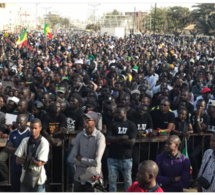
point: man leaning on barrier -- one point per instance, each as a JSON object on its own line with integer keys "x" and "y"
{"x": 174, "y": 167}
{"x": 87, "y": 152}
{"x": 33, "y": 154}
{"x": 14, "y": 140}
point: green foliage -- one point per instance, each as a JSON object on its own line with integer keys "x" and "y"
{"x": 171, "y": 19}
{"x": 204, "y": 17}
{"x": 53, "y": 19}
{"x": 159, "y": 19}
{"x": 114, "y": 12}
{"x": 178, "y": 18}
{"x": 94, "y": 27}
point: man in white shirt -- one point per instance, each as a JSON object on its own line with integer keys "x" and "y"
{"x": 33, "y": 154}
{"x": 152, "y": 78}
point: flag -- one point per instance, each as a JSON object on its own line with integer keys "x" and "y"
{"x": 23, "y": 39}
{"x": 65, "y": 78}
{"x": 28, "y": 82}
{"x": 47, "y": 31}
{"x": 162, "y": 132}
{"x": 47, "y": 83}
{"x": 185, "y": 153}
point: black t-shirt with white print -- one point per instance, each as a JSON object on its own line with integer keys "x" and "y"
{"x": 203, "y": 119}
{"x": 74, "y": 120}
{"x": 142, "y": 122}
{"x": 119, "y": 128}
{"x": 211, "y": 126}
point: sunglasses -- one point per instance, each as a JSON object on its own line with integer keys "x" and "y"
{"x": 164, "y": 105}
{"x": 87, "y": 120}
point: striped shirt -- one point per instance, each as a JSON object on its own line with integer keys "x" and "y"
{"x": 209, "y": 170}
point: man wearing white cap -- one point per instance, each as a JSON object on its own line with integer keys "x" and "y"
{"x": 12, "y": 103}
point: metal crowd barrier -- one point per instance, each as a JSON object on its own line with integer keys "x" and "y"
{"x": 163, "y": 138}
{"x": 65, "y": 147}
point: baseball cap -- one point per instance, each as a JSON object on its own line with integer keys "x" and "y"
{"x": 211, "y": 103}
{"x": 135, "y": 91}
{"x": 39, "y": 105}
{"x": 61, "y": 89}
{"x": 205, "y": 90}
{"x": 14, "y": 99}
{"x": 92, "y": 115}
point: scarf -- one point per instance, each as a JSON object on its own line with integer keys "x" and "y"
{"x": 31, "y": 150}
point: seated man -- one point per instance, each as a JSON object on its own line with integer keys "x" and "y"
{"x": 146, "y": 178}
{"x": 174, "y": 167}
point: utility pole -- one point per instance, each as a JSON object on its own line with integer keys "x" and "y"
{"x": 94, "y": 5}
{"x": 154, "y": 17}
{"x": 134, "y": 19}
{"x": 150, "y": 22}
{"x": 36, "y": 13}
{"x": 46, "y": 15}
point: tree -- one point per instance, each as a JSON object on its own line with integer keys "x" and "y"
{"x": 194, "y": 32}
{"x": 171, "y": 19}
{"x": 159, "y": 20}
{"x": 203, "y": 16}
{"x": 94, "y": 27}
{"x": 177, "y": 18}
{"x": 65, "y": 22}
{"x": 114, "y": 12}
{"x": 53, "y": 19}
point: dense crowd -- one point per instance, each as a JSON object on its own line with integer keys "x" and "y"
{"x": 110, "y": 92}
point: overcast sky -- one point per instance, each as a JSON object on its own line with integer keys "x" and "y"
{"x": 83, "y": 9}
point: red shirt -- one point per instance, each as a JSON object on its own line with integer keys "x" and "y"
{"x": 135, "y": 187}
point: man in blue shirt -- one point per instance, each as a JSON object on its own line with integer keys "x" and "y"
{"x": 174, "y": 167}
{"x": 14, "y": 140}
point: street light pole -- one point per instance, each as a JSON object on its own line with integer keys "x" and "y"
{"x": 154, "y": 17}
{"x": 36, "y": 13}
{"x": 134, "y": 19}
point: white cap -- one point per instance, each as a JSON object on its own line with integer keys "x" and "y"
{"x": 14, "y": 99}
{"x": 135, "y": 91}
{"x": 211, "y": 103}
{"x": 79, "y": 61}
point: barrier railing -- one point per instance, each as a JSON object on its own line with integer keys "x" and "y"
{"x": 69, "y": 137}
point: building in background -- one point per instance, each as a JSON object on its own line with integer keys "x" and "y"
{"x": 115, "y": 25}
{"x": 138, "y": 20}
{"x": 14, "y": 17}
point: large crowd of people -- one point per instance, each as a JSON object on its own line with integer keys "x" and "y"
{"x": 105, "y": 93}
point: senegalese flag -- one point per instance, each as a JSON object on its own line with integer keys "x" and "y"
{"x": 162, "y": 132}
{"x": 185, "y": 153}
{"x": 47, "y": 31}
{"x": 47, "y": 83}
{"x": 28, "y": 82}
{"x": 65, "y": 77}
{"x": 23, "y": 39}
